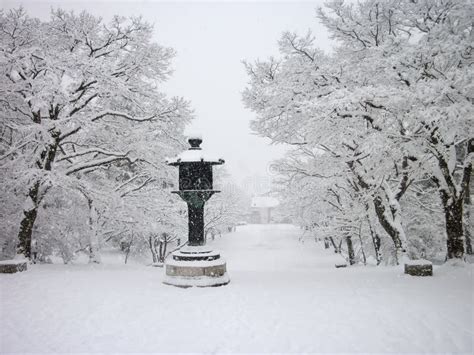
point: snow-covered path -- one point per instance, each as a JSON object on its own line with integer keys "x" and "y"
{"x": 284, "y": 296}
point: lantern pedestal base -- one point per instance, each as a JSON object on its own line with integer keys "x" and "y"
{"x": 196, "y": 266}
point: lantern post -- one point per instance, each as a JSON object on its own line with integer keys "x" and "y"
{"x": 195, "y": 264}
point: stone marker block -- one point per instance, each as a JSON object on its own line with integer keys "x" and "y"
{"x": 419, "y": 268}
{"x": 12, "y": 266}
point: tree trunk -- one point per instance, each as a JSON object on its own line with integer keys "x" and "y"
{"x": 467, "y": 219}
{"x": 326, "y": 243}
{"x": 453, "y": 210}
{"x": 453, "y": 195}
{"x": 388, "y": 210}
{"x": 151, "y": 243}
{"x": 375, "y": 241}
{"x": 161, "y": 258}
{"x": 127, "y": 252}
{"x": 362, "y": 244}
{"x": 29, "y": 217}
{"x": 94, "y": 248}
{"x": 337, "y": 250}
{"x": 350, "y": 250}
{"x": 452, "y": 199}
{"x": 388, "y": 220}
{"x": 31, "y": 209}
{"x": 165, "y": 247}
{"x": 467, "y": 230}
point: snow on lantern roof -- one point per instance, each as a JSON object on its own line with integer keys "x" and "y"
{"x": 195, "y": 136}
{"x": 194, "y": 154}
{"x": 189, "y": 156}
{"x": 264, "y": 202}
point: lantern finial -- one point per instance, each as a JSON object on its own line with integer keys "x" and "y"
{"x": 195, "y": 142}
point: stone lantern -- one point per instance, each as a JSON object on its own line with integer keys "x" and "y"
{"x": 195, "y": 264}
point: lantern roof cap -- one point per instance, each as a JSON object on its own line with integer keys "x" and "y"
{"x": 194, "y": 154}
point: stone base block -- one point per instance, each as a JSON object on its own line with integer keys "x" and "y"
{"x": 196, "y": 271}
{"x": 12, "y": 266}
{"x": 196, "y": 266}
{"x": 419, "y": 268}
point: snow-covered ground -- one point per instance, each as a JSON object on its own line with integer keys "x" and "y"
{"x": 284, "y": 296}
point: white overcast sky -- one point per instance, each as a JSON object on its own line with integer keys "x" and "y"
{"x": 211, "y": 40}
